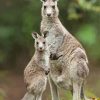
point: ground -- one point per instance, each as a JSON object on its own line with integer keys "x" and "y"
{"x": 12, "y": 86}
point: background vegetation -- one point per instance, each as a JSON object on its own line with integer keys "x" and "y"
{"x": 18, "y": 18}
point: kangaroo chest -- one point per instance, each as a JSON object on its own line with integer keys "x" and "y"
{"x": 44, "y": 61}
{"x": 54, "y": 40}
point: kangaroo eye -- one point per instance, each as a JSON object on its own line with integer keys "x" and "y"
{"x": 44, "y": 7}
{"x": 43, "y": 42}
{"x": 37, "y": 43}
{"x": 53, "y": 7}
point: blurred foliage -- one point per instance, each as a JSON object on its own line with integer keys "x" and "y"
{"x": 78, "y": 6}
{"x": 87, "y": 35}
{"x": 18, "y": 18}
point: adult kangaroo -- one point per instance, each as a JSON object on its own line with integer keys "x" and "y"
{"x": 68, "y": 58}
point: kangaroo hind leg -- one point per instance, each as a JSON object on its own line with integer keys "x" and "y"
{"x": 76, "y": 91}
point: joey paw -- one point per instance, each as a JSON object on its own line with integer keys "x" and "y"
{"x": 47, "y": 72}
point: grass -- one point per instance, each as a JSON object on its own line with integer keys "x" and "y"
{"x": 68, "y": 96}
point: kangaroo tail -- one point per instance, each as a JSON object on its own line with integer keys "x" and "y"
{"x": 28, "y": 96}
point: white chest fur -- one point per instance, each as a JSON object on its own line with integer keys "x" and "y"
{"x": 44, "y": 61}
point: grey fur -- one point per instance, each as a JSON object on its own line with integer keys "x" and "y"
{"x": 70, "y": 70}
{"x": 37, "y": 69}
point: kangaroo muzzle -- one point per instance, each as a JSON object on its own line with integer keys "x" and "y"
{"x": 49, "y": 12}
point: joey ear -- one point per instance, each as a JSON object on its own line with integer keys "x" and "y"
{"x": 35, "y": 35}
{"x": 45, "y": 34}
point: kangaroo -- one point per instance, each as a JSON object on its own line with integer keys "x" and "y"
{"x": 69, "y": 63}
{"x": 35, "y": 73}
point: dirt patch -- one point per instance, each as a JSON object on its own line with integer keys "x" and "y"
{"x": 12, "y": 85}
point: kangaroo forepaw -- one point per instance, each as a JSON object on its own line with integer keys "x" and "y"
{"x": 54, "y": 56}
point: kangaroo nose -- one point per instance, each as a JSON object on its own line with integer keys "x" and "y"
{"x": 48, "y": 15}
{"x": 40, "y": 48}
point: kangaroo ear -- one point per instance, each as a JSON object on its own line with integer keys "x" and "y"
{"x": 55, "y": 0}
{"x": 45, "y": 34}
{"x": 43, "y": 0}
{"x": 35, "y": 35}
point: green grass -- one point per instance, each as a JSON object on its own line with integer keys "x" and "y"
{"x": 68, "y": 96}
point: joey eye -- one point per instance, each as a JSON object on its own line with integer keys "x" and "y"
{"x": 53, "y": 7}
{"x": 44, "y": 7}
{"x": 43, "y": 42}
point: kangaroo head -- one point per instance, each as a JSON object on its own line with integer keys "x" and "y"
{"x": 49, "y": 8}
{"x": 40, "y": 41}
